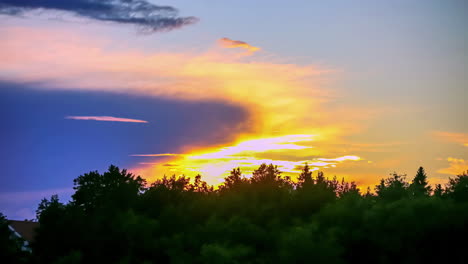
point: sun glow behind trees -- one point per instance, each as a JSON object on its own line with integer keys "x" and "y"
{"x": 214, "y": 164}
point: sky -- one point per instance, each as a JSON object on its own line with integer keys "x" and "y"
{"x": 357, "y": 89}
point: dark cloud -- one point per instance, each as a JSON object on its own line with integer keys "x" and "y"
{"x": 147, "y": 16}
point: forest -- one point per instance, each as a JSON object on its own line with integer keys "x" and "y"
{"x": 118, "y": 217}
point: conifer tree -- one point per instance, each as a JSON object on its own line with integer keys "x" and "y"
{"x": 305, "y": 178}
{"x": 419, "y": 186}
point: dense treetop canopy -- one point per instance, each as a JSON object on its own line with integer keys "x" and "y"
{"x": 117, "y": 217}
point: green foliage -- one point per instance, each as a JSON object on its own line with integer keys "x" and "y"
{"x": 115, "y": 218}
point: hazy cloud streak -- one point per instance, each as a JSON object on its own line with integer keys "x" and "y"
{"x": 461, "y": 138}
{"x": 341, "y": 158}
{"x": 156, "y": 155}
{"x": 229, "y": 43}
{"x": 106, "y": 118}
{"x": 148, "y": 17}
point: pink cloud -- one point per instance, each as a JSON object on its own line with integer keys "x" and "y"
{"x": 106, "y": 118}
{"x": 156, "y": 155}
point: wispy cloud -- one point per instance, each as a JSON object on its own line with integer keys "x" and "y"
{"x": 461, "y": 138}
{"x": 147, "y": 16}
{"x": 248, "y": 154}
{"x": 229, "y": 43}
{"x": 156, "y": 155}
{"x": 456, "y": 166}
{"x": 341, "y": 158}
{"x": 106, "y": 118}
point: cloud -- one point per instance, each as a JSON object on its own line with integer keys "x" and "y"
{"x": 456, "y": 167}
{"x": 215, "y": 163}
{"x": 148, "y": 17}
{"x": 156, "y": 155}
{"x": 106, "y": 118}
{"x": 460, "y": 138}
{"x": 341, "y": 158}
{"x": 229, "y": 43}
{"x": 283, "y": 101}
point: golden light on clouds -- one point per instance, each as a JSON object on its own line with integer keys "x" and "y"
{"x": 289, "y": 121}
{"x": 456, "y": 166}
{"x": 283, "y": 100}
{"x": 215, "y": 163}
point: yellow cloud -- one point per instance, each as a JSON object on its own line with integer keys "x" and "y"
{"x": 456, "y": 167}
{"x": 214, "y": 164}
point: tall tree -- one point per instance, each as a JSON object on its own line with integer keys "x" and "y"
{"x": 234, "y": 180}
{"x": 305, "y": 178}
{"x": 419, "y": 186}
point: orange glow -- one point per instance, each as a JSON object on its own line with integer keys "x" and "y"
{"x": 216, "y": 163}
{"x": 229, "y": 43}
{"x": 460, "y": 138}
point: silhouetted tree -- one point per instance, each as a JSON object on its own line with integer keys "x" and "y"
{"x": 438, "y": 191}
{"x": 419, "y": 185}
{"x": 457, "y": 187}
{"x": 114, "y": 187}
{"x": 305, "y": 178}
{"x": 392, "y": 188}
{"x": 266, "y": 174}
{"x": 200, "y": 186}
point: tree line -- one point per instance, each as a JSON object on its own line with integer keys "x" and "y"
{"x": 117, "y": 217}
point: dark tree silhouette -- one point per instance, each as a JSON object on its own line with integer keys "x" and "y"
{"x": 115, "y": 217}
{"x": 305, "y": 178}
{"x": 457, "y": 187}
{"x": 95, "y": 191}
{"x": 438, "y": 191}
{"x": 392, "y": 188}
{"x": 419, "y": 186}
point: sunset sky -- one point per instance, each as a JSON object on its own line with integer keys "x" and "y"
{"x": 357, "y": 89}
